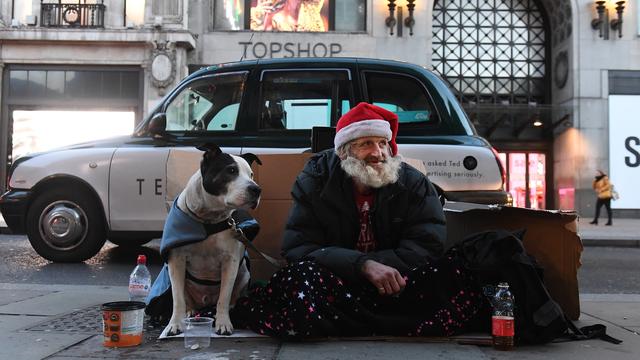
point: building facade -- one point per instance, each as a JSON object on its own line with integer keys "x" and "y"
{"x": 550, "y": 83}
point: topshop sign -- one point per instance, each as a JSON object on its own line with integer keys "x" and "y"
{"x": 624, "y": 149}
{"x": 275, "y": 49}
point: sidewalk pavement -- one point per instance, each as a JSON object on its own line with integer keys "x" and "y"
{"x": 64, "y": 322}
{"x": 623, "y": 232}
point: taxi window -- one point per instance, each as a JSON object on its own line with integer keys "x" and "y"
{"x": 297, "y": 100}
{"x": 401, "y": 94}
{"x": 207, "y": 104}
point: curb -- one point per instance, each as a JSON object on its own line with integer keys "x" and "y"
{"x": 628, "y": 243}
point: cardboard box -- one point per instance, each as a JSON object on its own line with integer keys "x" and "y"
{"x": 550, "y": 237}
{"x": 275, "y": 176}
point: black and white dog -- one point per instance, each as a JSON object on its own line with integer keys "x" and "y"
{"x": 212, "y": 270}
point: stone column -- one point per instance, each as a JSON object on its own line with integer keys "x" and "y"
{"x": 4, "y": 130}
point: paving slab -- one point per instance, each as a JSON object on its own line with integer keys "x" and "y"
{"x": 624, "y": 314}
{"x": 583, "y": 350}
{"x": 9, "y": 296}
{"x": 59, "y": 302}
{"x": 117, "y": 290}
{"x": 17, "y": 343}
{"x": 9, "y": 323}
{"x": 623, "y": 233}
{"x": 370, "y": 350}
{"x": 578, "y": 350}
{"x": 42, "y": 337}
{"x": 21, "y": 345}
{"x": 585, "y": 297}
{"x": 152, "y": 348}
{"x": 635, "y": 329}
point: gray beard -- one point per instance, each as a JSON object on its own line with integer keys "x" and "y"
{"x": 370, "y": 176}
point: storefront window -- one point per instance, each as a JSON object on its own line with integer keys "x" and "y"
{"x": 105, "y": 86}
{"x": 134, "y": 12}
{"x": 166, "y": 7}
{"x": 43, "y": 130}
{"x": 537, "y": 181}
{"x": 526, "y": 178}
{"x": 350, "y": 15}
{"x": 517, "y": 185}
{"x": 491, "y": 51}
{"x": 290, "y": 15}
{"x": 229, "y": 15}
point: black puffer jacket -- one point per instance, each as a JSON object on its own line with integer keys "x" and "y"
{"x": 323, "y": 225}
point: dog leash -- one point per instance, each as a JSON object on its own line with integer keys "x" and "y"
{"x": 243, "y": 239}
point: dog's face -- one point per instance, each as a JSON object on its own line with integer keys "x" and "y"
{"x": 230, "y": 177}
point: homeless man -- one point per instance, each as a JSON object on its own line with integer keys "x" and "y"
{"x": 363, "y": 243}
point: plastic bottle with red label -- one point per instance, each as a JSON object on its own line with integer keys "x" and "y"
{"x": 140, "y": 281}
{"x": 502, "y": 321}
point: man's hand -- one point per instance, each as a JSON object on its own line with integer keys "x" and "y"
{"x": 386, "y": 279}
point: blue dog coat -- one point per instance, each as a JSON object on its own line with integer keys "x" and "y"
{"x": 181, "y": 229}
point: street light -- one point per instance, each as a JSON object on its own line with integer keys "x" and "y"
{"x": 616, "y": 24}
{"x": 410, "y": 21}
{"x": 597, "y": 23}
{"x": 390, "y": 21}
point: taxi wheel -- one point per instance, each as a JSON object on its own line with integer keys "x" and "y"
{"x": 65, "y": 225}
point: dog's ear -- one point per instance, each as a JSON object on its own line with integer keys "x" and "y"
{"x": 209, "y": 147}
{"x": 210, "y": 150}
{"x": 250, "y": 158}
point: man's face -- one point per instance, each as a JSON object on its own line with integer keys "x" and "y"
{"x": 369, "y": 162}
{"x": 373, "y": 150}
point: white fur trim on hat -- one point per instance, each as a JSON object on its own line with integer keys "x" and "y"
{"x": 360, "y": 129}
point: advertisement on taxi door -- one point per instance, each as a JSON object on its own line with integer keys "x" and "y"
{"x": 624, "y": 150}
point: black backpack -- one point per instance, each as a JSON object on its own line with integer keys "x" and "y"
{"x": 499, "y": 256}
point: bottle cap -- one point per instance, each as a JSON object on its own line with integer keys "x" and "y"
{"x": 142, "y": 260}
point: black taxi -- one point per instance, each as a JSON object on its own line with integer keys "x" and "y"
{"x": 69, "y": 201}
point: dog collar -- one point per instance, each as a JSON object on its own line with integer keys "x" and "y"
{"x": 211, "y": 228}
{"x": 217, "y": 227}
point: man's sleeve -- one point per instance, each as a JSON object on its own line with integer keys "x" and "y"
{"x": 424, "y": 232}
{"x": 306, "y": 239}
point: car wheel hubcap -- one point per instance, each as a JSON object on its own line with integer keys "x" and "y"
{"x": 63, "y": 225}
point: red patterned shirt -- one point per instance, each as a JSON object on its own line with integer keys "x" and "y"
{"x": 366, "y": 241}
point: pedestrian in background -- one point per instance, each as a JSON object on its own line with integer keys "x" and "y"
{"x": 602, "y": 186}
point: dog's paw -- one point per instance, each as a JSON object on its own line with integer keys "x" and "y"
{"x": 172, "y": 329}
{"x": 223, "y": 325}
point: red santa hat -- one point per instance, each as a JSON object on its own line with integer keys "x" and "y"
{"x": 367, "y": 120}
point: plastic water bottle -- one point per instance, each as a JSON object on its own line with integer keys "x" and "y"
{"x": 140, "y": 281}
{"x": 502, "y": 322}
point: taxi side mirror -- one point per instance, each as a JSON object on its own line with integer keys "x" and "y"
{"x": 158, "y": 125}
